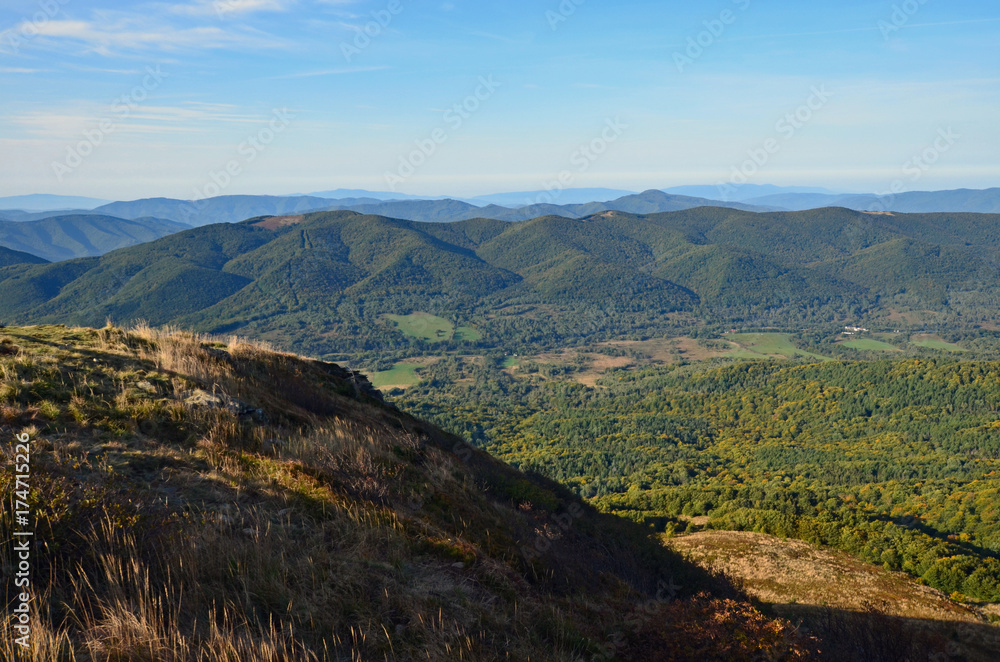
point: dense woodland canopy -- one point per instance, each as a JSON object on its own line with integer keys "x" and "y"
{"x": 897, "y": 462}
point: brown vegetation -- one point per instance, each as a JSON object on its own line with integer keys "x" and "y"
{"x": 209, "y": 499}
{"x": 846, "y": 601}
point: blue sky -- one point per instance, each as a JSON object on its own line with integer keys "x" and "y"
{"x": 125, "y": 100}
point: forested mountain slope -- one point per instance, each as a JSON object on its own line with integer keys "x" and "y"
{"x": 9, "y": 257}
{"x": 323, "y": 282}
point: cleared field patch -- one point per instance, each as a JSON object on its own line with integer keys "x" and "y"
{"x": 769, "y": 344}
{"x": 598, "y": 365}
{"x": 424, "y": 326}
{"x": 401, "y": 375}
{"x": 276, "y": 222}
{"x": 668, "y": 350}
{"x": 930, "y": 341}
{"x": 432, "y": 328}
{"x": 914, "y": 316}
{"x": 870, "y": 345}
{"x": 467, "y": 334}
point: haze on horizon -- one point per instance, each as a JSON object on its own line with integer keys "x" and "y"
{"x": 121, "y": 100}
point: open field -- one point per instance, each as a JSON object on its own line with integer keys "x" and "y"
{"x": 669, "y": 350}
{"x": 424, "y": 326}
{"x": 467, "y": 334}
{"x": 871, "y": 345}
{"x": 402, "y": 375}
{"x": 664, "y": 351}
{"x": 588, "y": 364}
{"x": 755, "y": 345}
{"x": 598, "y": 365}
{"x": 432, "y": 328}
{"x": 931, "y": 341}
{"x": 914, "y": 317}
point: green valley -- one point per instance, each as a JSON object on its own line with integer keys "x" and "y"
{"x": 692, "y": 373}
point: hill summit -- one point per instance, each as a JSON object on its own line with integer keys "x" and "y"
{"x": 203, "y": 499}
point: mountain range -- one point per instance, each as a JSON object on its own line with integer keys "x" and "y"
{"x": 42, "y": 202}
{"x": 324, "y": 282}
{"x": 222, "y": 209}
{"x": 568, "y": 196}
{"x": 571, "y": 203}
{"x": 744, "y": 192}
{"x": 513, "y": 199}
{"x": 968, "y": 200}
{"x": 231, "y": 209}
{"x": 67, "y": 237}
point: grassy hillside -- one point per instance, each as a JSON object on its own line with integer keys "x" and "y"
{"x": 68, "y": 237}
{"x": 202, "y": 500}
{"x": 835, "y": 593}
{"x": 326, "y": 282}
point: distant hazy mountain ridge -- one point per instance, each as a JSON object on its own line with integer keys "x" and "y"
{"x": 570, "y": 203}
{"x": 962, "y": 200}
{"x": 68, "y": 237}
{"x": 232, "y": 209}
{"x": 41, "y": 202}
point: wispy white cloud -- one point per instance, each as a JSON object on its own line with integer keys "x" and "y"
{"x": 345, "y": 9}
{"x": 19, "y": 70}
{"x": 112, "y": 34}
{"x": 332, "y": 72}
{"x": 194, "y": 113}
{"x": 229, "y": 8}
{"x": 67, "y": 123}
{"x": 104, "y": 70}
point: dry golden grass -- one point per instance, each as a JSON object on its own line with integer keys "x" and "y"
{"x": 801, "y": 580}
{"x": 306, "y": 522}
{"x": 121, "y": 613}
{"x": 277, "y": 222}
{"x": 670, "y": 350}
{"x": 780, "y": 570}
